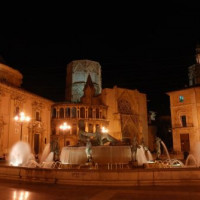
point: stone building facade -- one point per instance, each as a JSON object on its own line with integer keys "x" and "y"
{"x": 13, "y": 100}
{"x": 185, "y": 109}
{"x": 122, "y": 111}
{"x": 127, "y": 114}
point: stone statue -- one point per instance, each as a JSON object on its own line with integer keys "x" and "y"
{"x": 144, "y": 146}
{"x": 158, "y": 150}
{"x": 88, "y": 150}
{"x": 55, "y": 148}
{"x": 134, "y": 147}
{"x": 83, "y": 135}
{"x": 97, "y": 138}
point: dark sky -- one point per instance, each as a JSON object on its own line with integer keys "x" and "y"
{"x": 147, "y": 48}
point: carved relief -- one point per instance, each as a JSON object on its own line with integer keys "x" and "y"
{"x": 37, "y": 127}
{"x": 37, "y": 105}
{"x": 19, "y": 99}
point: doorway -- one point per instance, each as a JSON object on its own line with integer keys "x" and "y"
{"x": 36, "y": 143}
{"x": 185, "y": 142}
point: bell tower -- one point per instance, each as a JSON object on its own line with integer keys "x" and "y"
{"x": 194, "y": 70}
{"x": 77, "y": 75}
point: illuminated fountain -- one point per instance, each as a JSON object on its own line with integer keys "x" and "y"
{"x": 102, "y": 153}
{"x": 20, "y": 154}
{"x": 193, "y": 159}
{"x": 93, "y": 148}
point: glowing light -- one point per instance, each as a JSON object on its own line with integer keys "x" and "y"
{"x": 20, "y": 195}
{"x": 65, "y": 126}
{"x": 104, "y": 130}
{"x": 14, "y": 195}
{"x": 22, "y": 117}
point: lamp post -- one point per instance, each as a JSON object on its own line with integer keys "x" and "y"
{"x": 21, "y": 118}
{"x": 64, "y": 127}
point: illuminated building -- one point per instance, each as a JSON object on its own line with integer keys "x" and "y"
{"x": 13, "y": 100}
{"x": 185, "y": 111}
{"x": 122, "y": 111}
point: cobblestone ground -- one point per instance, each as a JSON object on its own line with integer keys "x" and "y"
{"x": 33, "y": 191}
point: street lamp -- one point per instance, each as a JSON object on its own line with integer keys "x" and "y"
{"x": 21, "y": 118}
{"x": 64, "y": 127}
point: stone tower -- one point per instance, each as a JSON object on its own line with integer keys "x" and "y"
{"x": 194, "y": 70}
{"x": 77, "y": 75}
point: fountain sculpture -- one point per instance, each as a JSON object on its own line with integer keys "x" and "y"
{"x": 94, "y": 149}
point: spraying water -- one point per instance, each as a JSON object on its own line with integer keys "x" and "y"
{"x": 165, "y": 148}
{"x": 20, "y": 154}
{"x": 140, "y": 156}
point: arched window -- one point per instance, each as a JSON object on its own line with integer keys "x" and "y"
{"x": 67, "y": 112}
{"x": 61, "y": 112}
{"x": 54, "y": 113}
{"x": 90, "y": 112}
{"x": 73, "y": 112}
{"x": 124, "y": 107}
{"x": 82, "y": 112}
{"x": 97, "y": 113}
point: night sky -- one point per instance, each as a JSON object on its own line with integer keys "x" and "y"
{"x": 149, "y": 50}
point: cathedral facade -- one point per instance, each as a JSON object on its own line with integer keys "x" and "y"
{"x": 121, "y": 111}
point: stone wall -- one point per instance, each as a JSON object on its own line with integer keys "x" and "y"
{"x": 123, "y": 177}
{"x": 127, "y": 113}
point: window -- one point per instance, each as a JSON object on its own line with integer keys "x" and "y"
{"x": 82, "y": 112}
{"x": 37, "y": 116}
{"x": 54, "y": 113}
{"x": 97, "y": 113}
{"x": 61, "y": 112}
{"x": 124, "y": 107}
{"x": 73, "y": 112}
{"x": 181, "y": 98}
{"x": 67, "y": 112}
{"x": 183, "y": 121}
{"x": 90, "y": 112}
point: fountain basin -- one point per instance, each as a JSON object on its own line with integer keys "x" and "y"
{"x": 100, "y": 154}
{"x": 125, "y": 177}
